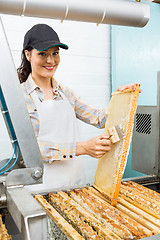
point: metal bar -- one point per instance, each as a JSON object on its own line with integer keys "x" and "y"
{"x": 29, "y": 216}
{"x": 24, "y": 176}
{"x": 16, "y": 105}
{"x": 118, "y": 12}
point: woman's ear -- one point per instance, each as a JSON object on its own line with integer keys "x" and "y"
{"x": 28, "y": 55}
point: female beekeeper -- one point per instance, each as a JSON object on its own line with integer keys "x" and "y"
{"x": 53, "y": 110}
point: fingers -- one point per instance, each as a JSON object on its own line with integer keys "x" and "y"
{"x": 104, "y": 149}
{"x": 104, "y": 136}
{"x": 95, "y": 147}
{"x": 105, "y": 142}
{"x": 103, "y": 145}
{"x": 127, "y": 86}
{"x": 104, "y": 139}
{"x": 101, "y": 151}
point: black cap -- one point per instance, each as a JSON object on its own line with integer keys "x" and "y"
{"x": 42, "y": 37}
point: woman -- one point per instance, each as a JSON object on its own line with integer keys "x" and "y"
{"x": 53, "y": 111}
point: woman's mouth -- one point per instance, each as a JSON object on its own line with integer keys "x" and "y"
{"x": 49, "y": 68}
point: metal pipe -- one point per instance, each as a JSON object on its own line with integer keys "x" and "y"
{"x": 116, "y": 12}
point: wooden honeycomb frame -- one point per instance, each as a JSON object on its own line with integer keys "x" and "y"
{"x": 124, "y": 117}
{"x": 85, "y": 213}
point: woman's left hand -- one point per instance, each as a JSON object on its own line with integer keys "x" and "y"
{"x": 127, "y": 86}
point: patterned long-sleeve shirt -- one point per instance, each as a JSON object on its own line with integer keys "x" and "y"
{"x": 87, "y": 113}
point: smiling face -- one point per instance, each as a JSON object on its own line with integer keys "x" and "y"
{"x": 43, "y": 63}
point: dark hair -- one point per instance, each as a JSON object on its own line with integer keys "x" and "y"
{"x": 25, "y": 68}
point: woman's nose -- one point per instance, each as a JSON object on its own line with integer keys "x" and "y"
{"x": 50, "y": 59}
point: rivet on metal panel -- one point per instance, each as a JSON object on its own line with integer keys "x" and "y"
{"x": 36, "y": 174}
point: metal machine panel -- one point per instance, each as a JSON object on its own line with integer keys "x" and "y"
{"x": 16, "y": 107}
{"x": 15, "y": 102}
{"x": 145, "y": 140}
{"x": 28, "y": 215}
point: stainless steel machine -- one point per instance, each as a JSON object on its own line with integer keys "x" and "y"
{"x": 145, "y": 143}
{"x": 26, "y": 167}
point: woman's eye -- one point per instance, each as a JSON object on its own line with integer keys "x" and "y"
{"x": 55, "y": 53}
{"x": 42, "y": 54}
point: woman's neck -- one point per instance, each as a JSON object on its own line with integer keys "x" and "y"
{"x": 46, "y": 86}
{"x": 44, "y": 83}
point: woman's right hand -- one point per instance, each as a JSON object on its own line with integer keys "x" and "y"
{"x": 95, "y": 147}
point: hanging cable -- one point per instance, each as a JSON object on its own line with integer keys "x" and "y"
{"x": 9, "y": 159}
{"x": 16, "y": 149}
{"x": 14, "y": 139}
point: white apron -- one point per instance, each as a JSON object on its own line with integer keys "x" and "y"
{"x": 58, "y": 124}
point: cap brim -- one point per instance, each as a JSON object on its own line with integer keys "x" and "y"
{"x": 46, "y": 45}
